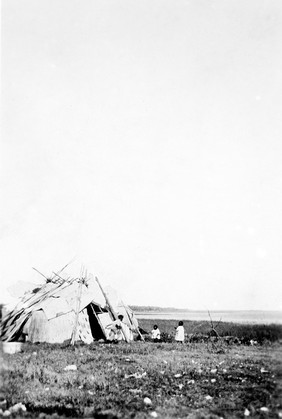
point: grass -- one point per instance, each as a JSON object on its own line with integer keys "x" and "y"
{"x": 244, "y": 332}
{"x": 194, "y": 380}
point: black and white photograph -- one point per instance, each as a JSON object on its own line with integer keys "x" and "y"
{"x": 141, "y": 209}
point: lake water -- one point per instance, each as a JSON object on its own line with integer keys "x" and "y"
{"x": 252, "y": 317}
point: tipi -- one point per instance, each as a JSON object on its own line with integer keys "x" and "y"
{"x": 65, "y": 309}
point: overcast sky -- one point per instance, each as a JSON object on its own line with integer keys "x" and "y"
{"x": 144, "y": 138}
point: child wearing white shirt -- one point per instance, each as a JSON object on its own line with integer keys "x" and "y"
{"x": 155, "y": 333}
{"x": 179, "y": 334}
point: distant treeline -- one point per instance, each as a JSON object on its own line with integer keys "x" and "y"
{"x": 157, "y": 309}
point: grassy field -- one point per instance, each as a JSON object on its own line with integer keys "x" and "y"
{"x": 144, "y": 380}
{"x": 244, "y": 332}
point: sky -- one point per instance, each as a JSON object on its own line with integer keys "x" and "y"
{"x": 143, "y": 139}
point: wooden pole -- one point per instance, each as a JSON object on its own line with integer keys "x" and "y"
{"x": 41, "y": 273}
{"x": 77, "y": 311}
{"x": 112, "y": 311}
{"x": 128, "y": 315}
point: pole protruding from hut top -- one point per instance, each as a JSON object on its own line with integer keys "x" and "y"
{"x": 78, "y": 303}
{"x": 110, "y": 307}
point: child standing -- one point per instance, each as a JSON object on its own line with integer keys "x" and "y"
{"x": 179, "y": 334}
{"x": 156, "y": 334}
